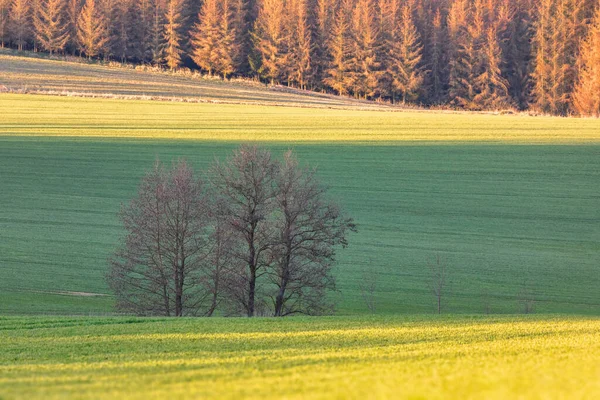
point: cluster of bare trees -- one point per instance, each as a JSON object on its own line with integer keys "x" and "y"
{"x": 472, "y": 54}
{"x": 258, "y": 237}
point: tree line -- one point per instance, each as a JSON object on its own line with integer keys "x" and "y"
{"x": 471, "y": 54}
{"x": 258, "y": 236}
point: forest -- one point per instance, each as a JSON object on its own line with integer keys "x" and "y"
{"x": 536, "y": 55}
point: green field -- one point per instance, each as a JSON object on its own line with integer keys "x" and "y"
{"x": 349, "y": 357}
{"x": 510, "y": 201}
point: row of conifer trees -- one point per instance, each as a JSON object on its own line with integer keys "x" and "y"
{"x": 472, "y": 54}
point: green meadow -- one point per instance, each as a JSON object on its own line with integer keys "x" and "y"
{"x": 513, "y": 213}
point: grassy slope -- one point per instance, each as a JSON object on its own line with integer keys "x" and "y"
{"x": 503, "y": 215}
{"x": 30, "y": 73}
{"x": 451, "y": 357}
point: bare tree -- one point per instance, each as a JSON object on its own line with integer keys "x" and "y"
{"x": 158, "y": 269}
{"x": 247, "y": 185}
{"x": 526, "y": 295}
{"x": 486, "y": 301}
{"x": 309, "y": 227}
{"x": 368, "y": 287}
{"x": 220, "y": 264}
{"x": 266, "y": 230}
{"x": 438, "y": 280}
{"x": 526, "y": 301}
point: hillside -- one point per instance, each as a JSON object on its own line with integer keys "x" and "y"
{"x": 26, "y": 73}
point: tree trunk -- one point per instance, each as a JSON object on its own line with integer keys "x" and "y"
{"x": 284, "y": 280}
{"x": 251, "y": 291}
{"x": 213, "y": 305}
{"x": 279, "y": 299}
{"x": 252, "y": 269}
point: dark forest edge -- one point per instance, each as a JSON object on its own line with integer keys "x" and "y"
{"x": 540, "y": 56}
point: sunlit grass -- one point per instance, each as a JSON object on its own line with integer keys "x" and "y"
{"x": 451, "y": 357}
{"x": 105, "y": 118}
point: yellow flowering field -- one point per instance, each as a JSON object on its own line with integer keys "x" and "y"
{"x": 537, "y": 357}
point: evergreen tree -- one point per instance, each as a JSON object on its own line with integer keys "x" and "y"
{"x": 145, "y": 12}
{"x": 240, "y": 21}
{"x": 20, "y": 28}
{"x": 492, "y": 88}
{"x": 586, "y": 98}
{"x": 300, "y": 43}
{"x": 324, "y": 12}
{"x": 136, "y": 30}
{"x": 157, "y": 38}
{"x": 119, "y": 28}
{"x": 387, "y": 26}
{"x": 405, "y": 57}
{"x": 270, "y": 40}
{"x": 172, "y": 33}
{"x": 73, "y": 9}
{"x": 34, "y": 6}
{"x": 363, "y": 72}
{"x": 49, "y": 27}
{"x": 206, "y": 37}
{"x": 516, "y": 42}
{"x": 462, "y": 55}
{"x": 336, "y": 75}
{"x": 4, "y": 21}
{"x": 437, "y": 61}
{"x": 229, "y": 48}
{"x": 92, "y": 31}
{"x": 558, "y": 29}
{"x": 543, "y": 43}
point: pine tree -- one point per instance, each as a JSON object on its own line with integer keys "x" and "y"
{"x": 437, "y": 60}
{"x": 270, "y": 40}
{"x": 136, "y": 30}
{"x": 34, "y": 5}
{"x": 300, "y": 43}
{"x": 92, "y": 31}
{"x": 206, "y": 37}
{"x": 145, "y": 11}
{"x": 242, "y": 40}
{"x": 492, "y": 88}
{"x": 543, "y": 41}
{"x": 558, "y": 29}
{"x": 4, "y": 21}
{"x": 462, "y": 55}
{"x": 322, "y": 26}
{"x": 119, "y": 28}
{"x": 387, "y": 25}
{"x": 49, "y": 27}
{"x": 20, "y": 28}
{"x": 336, "y": 74}
{"x": 172, "y": 33}
{"x": 586, "y": 98}
{"x": 516, "y": 42}
{"x": 405, "y": 57}
{"x": 157, "y": 39}
{"x": 73, "y": 9}
{"x": 363, "y": 72}
{"x": 228, "y": 49}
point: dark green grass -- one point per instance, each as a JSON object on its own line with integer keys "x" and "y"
{"x": 502, "y": 215}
